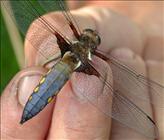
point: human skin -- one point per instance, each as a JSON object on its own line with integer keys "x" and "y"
{"x": 68, "y": 117}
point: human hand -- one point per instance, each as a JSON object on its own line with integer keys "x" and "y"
{"x": 66, "y": 117}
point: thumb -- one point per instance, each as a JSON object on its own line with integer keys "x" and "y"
{"x": 13, "y": 100}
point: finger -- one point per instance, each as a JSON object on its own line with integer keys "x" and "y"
{"x": 155, "y": 72}
{"x": 154, "y": 49}
{"x": 12, "y": 102}
{"x": 120, "y": 131}
{"x": 108, "y": 24}
{"x": 76, "y": 114}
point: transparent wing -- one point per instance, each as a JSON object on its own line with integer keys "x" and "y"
{"x": 49, "y": 5}
{"x": 44, "y": 33}
{"x": 113, "y": 104}
{"x": 134, "y": 85}
{"x": 126, "y": 112}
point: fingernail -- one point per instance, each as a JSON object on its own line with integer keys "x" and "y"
{"x": 123, "y": 53}
{"x": 26, "y": 86}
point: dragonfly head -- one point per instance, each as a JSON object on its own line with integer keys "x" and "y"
{"x": 87, "y": 44}
{"x": 91, "y": 38}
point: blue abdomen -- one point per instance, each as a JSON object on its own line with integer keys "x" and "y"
{"x": 49, "y": 86}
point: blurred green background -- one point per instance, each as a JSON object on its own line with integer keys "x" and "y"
{"x": 9, "y": 65}
{"x": 9, "y": 62}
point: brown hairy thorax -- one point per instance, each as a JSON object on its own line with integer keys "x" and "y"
{"x": 81, "y": 52}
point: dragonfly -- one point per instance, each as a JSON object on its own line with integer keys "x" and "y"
{"x": 77, "y": 55}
